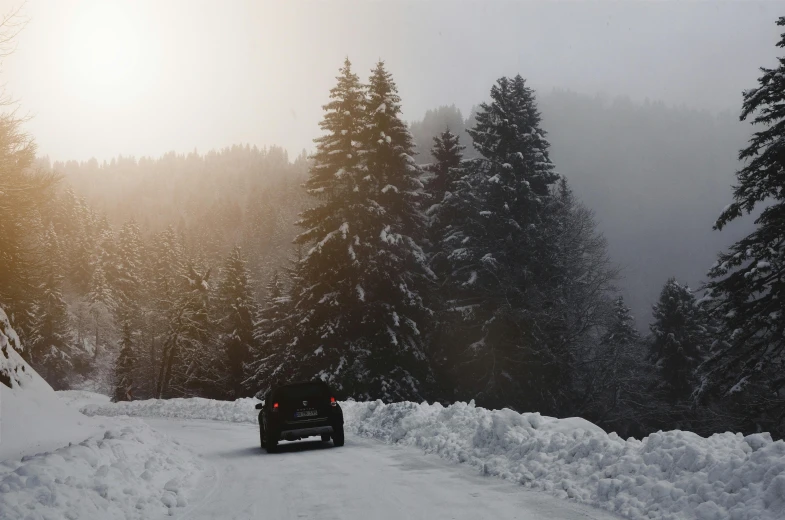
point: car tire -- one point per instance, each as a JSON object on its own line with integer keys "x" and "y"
{"x": 325, "y": 437}
{"x": 261, "y": 437}
{"x": 338, "y": 438}
{"x": 271, "y": 443}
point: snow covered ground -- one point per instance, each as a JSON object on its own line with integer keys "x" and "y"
{"x": 668, "y": 475}
{"x": 56, "y": 463}
{"x": 363, "y": 480}
{"x": 130, "y": 472}
{"x": 32, "y": 418}
{"x": 186, "y": 448}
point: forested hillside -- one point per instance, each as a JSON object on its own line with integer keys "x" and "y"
{"x": 655, "y": 176}
{"x": 479, "y": 271}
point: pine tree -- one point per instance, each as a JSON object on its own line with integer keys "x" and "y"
{"x": 272, "y": 334}
{"x": 52, "y": 349}
{"x": 446, "y": 172}
{"x": 127, "y": 284}
{"x": 358, "y": 310}
{"x": 101, "y": 303}
{"x": 746, "y": 292}
{"x": 613, "y": 385}
{"x": 331, "y": 261}
{"x": 621, "y": 336}
{"x": 237, "y": 312}
{"x": 499, "y": 253}
{"x": 447, "y": 153}
{"x": 164, "y": 273}
{"x": 187, "y": 366}
{"x": 125, "y": 367}
{"x": 24, "y": 194}
{"x": 77, "y": 223}
{"x": 678, "y": 341}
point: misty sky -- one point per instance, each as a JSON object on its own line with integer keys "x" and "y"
{"x": 103, "y": 78}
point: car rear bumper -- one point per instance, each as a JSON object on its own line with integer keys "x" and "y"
{"x": 299, "y": 433}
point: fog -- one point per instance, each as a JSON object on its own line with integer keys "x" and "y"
{"x": 491, "y": 202}
{"x": 103, "y": 78}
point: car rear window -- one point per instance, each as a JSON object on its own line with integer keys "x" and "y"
{"x": 303, "y": 391}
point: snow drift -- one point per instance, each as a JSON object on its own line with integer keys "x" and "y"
{"x": 131, "y": 471}
{"x": 124, "y": 471}
{"x": 241, "y": 411}
{"x": 32, "y": 417}
{"x": 667, "y": 475}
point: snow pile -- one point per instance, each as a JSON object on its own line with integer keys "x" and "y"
{"x": 126, "y": 471}
{"x": 129, "y": 472}
{"x": 32, "y": 418}
{"x": 241, "y": 410}
{"x": 79, "y": 398}
{"x": 668, "y": 475}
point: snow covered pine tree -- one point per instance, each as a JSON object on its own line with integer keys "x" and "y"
{"x": 679, "y": 337}
{"x": 272, "y": 335}
{"x": 445, "y": 172}
{"x": 497, "y": 250}
{"x": 125, "y": 367}
{"x": 746, "y": 292}
{"x": 236, "y": 314}
{"x": 358, "y": 307}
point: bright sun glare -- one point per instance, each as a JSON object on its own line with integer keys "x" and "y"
{"x": 108, "y": 56}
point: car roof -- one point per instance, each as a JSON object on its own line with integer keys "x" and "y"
{"x": 302, "y": 383}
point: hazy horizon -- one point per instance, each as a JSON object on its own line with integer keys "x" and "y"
{"x": 102, "y": 79}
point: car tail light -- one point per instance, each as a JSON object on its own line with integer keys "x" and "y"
{"x": 332, "y": 402}
{"x": 275, "y": 407}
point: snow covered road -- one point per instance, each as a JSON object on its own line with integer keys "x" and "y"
{"x": 365, "y": 479}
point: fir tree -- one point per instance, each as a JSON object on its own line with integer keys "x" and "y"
{"x": 237, "y": 312}
{"x": 746, "y": 292}
{"x": 100, "y": 303}
{"x": 500, "y": 256}
{"x": 125, "y": 367}
{"x": 272, "y": 334}
{"x": 447, "y": 153}
{"x": 358, "y": 310}
{"x": 678, "y": 341}
{"x": 621, "y": 336}
{"x": 127, "y": 285}
{"x": 446, "y": 173}
{"x": 164, "y": 274}
{"x": 186, "y": 366}
{"x": 52, "y": 349}
{"x": 24, "y": 194}
{"x": 614, "y": 383}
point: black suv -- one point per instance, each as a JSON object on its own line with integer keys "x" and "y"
{"x": 299, "y": 410}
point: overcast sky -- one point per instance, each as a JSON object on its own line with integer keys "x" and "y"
{"x": 103, "y": 78}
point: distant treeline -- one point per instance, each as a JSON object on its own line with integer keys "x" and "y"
{"x": 656, "y": 177}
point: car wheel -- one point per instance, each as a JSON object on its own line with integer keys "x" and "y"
{"x": 271, "y": 443}
{"x": 338, "y": 437}
{"x": 261, "y": 437}
{"x": 325, "y": 437}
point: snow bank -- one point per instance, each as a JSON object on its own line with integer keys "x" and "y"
{"x": 668, "y": 475}
{"x": 32, "y": 418}
{"x": 241, "y": 410}
{"x": 131, "y": 471}
{"x": 79, "y": 398}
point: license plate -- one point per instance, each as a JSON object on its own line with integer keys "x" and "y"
{"x": 305, "y": 413}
